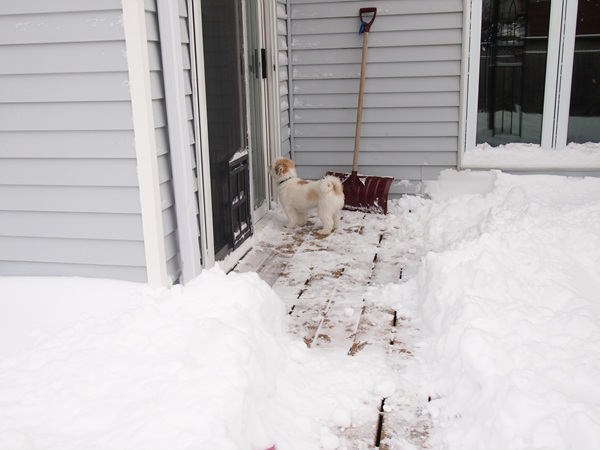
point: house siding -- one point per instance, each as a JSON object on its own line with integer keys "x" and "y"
{"x": 411, "y": 106}
{"x": 69, "y": 196}
{"x": 283, "y": 51}
{"x": 162, "y": 141}
{"x": 185, "y": 24}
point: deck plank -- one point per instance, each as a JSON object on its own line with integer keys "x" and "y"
{"x": 323, "y": 282}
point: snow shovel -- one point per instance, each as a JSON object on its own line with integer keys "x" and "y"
{"x": 364, "y": 193}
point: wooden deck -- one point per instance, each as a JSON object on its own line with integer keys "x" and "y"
{"x": 323, "y": 282}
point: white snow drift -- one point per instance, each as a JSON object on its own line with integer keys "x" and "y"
{"x": 504, "y": 285}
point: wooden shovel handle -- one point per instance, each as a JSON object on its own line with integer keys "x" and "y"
{"x": 361, "y": 91}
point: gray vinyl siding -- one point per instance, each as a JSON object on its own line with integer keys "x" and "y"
{"x": 185, "y": 23}
{"x": 69, "y": 198}
{"x": 162, "y": 141}
{"x": 284, "y": 79}
{"x": 411, "y": 106}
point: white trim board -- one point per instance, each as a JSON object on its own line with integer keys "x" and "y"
{"x": 145, "y": 141}
{"x": 201, "y": 132}
{"x": 179, "y": 140}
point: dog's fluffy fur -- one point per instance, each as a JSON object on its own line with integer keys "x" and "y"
{"x": 298, "y": 196}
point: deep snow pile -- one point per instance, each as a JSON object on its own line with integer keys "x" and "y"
{"x": 502, "y": 276}
{"x": 207, "y": 366}
{"x": 508, "y": 298}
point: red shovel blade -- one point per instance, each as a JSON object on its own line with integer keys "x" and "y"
{"x": 365, "y": 193}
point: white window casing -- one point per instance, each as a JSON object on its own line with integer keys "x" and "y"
{"x": 559, "y": 71}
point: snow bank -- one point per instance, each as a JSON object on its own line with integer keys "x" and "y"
{"x": 204, "y": 366}
{"x": 509, "y": 301}
{"x": 502, "y": 277}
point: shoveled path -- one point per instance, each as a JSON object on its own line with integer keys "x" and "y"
{"x": 323, "y": 282}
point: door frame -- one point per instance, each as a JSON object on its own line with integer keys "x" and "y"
{"x": 201, "y": 131}
{"x": 271, "y": 125}
{"x": 273, "y": 95}
{"x": 270, "y": 110}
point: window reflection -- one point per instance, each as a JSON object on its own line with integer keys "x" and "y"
{"x": 584, "y": 113}
{"x": 514, "y": 42}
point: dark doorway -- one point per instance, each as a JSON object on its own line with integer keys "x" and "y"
{"x": 223, "y": 60}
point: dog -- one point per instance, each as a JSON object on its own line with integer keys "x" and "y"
{"x": 298, "y": 197}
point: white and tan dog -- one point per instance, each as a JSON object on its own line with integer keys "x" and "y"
{"x": 298, "y": 196}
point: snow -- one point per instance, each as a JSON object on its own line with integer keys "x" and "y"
{"x": 509, "y": 302}
{"x": 239, "y": 155}
{"x": 526, "y": 156}
{"x": 207, "y": 365}
{"x": 502, "y": 277}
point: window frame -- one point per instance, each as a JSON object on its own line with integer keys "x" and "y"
{"x": 557, "y": 93}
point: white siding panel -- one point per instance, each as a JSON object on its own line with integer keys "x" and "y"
{"x": 386, "y": 86}
{"x": 379, "y": 55}
{"x": 411, "y": 103}
{"x": 379, "y": 143}
{"x": 398, "y": 22}
{"x": 161, "y": 132}
{"x": 68, "y": 172}
{"x": 311, "y": 9}
{"x": 82, "y": 144}
{"x": 26, "y": 268}
{"x": 379, "y": 158}
{"x": 66, "y": 27}
{"x": 411, "y": 99}
{"x": 419, "y": 129}
{"x": 70, "y": 225}
{"x": 378, "y": 70}
{"x": 284, "y": 78}
{"x": 70, "y": 87}
{"x": 44, "y": 6}
{"x": 384, "y": 39}
{"x": 374, "y": 115}
{"x": 65, "y": 116}
{"x": 73, "y": 251}
{"x": 76, "y": 199}
{"x": 73, "y": 57}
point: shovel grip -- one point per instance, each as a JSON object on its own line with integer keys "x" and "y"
{"x": 367, "y": 25}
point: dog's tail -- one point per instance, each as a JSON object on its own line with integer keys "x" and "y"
{"x": 331, "y": 183}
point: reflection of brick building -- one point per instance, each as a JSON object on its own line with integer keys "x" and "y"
{"x": 538, "y": 15}
{"x": 538, "y": 12}
{"x": 585, "y": 93}
{"x": 588, "y": 18}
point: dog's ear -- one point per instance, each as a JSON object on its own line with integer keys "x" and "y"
{"x": 279, "y": 169}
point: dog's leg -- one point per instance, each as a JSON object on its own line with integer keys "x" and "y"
{"x": 336, "y": 220}
{"x": 327, "y": 224}
{"x": 292, "y": 217}
{"x": 302, "y": 218}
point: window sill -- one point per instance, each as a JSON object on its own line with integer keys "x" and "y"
{"x": 525, "y": 157}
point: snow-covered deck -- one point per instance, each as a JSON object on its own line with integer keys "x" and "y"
{"x": 326, "y": 285}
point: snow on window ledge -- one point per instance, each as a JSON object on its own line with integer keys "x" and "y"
{"x": 532, "y": 157}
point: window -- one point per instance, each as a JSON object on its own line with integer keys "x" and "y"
{"x": 533, "y": 78}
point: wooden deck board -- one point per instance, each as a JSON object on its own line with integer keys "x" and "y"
{"x": 323, "y": 282}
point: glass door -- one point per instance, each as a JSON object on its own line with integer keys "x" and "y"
{"x": 222, "y": 39}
